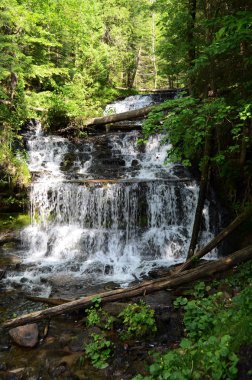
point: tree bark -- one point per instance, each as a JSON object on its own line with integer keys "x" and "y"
{"x": 192, "y": 5}
{"x": 146, "y": 287}
{"x": 128, "y": 115}
{"x": 134, "y": 74}
{"x": 202, "y": 197}
{"x": 49, "y": 301}
{"x": 217, "y": 240}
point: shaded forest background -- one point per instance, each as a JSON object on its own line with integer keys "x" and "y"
{"x": 62, "y": 61}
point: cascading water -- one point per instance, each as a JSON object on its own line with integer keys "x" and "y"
{"x": 104, "y": 209}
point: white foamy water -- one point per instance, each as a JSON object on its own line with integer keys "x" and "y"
{"x": 133, "y": 102}
{"x": 104, "y": 209}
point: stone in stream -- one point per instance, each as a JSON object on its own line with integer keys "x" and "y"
{"x": 25, "y": 336}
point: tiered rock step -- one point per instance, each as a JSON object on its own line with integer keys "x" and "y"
{"x": 127, "y": 180}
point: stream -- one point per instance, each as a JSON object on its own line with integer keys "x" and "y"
{"x": 106, "y": 212}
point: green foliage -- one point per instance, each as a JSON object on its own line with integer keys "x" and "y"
{"x": 206, "y": 46}
{"x": 99, "y": 351}
{"x": 62, "y": 60}
{"x": 94, "y": 312}
{"x": 138, "y": 320}
{"x": 241, "y": 278}
{"x": 93, "y": 317}
{"x": 209, "y": 359}
{"x": 216, "y": 326}
{"x": 13, "y": 164}
{"x": 97, "y": 316}
{"x": 189, "y": 124}
{"x": 186, "y": 122}
{"x": 14, "y": 221}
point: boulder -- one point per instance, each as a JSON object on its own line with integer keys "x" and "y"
{"x": 25, "y": 336}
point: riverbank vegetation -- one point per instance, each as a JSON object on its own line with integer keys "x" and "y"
{"x": 217, "y": 319}
{"x": 62, "y": 61}
{"x": 211, "y": 53}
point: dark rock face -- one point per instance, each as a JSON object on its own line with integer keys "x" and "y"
{"x": 25, "y": 336}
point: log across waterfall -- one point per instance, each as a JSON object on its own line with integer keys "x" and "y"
{"x": 110, "y": 119}
{"x": 128, "y": 115}
{"x": 136, "y": 109}
{"x": 105, "y": 209}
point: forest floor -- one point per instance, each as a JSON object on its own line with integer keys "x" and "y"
{"x": 205, "y": 312}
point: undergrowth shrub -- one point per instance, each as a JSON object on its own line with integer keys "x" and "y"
{"x": 138, "y": 320}
{"x": 216, "y": 326}
{"x": 99, "y": 350}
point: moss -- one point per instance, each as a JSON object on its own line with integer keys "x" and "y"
{"x": 14, "y": 221}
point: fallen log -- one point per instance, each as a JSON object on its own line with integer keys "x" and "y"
{"x": 49, "y": 301}
{"x": 217, "y": 240}
{"x": 146, "y": 287}
{"x": 128, "y": 115}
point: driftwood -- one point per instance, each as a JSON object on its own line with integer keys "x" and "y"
{"x": 146, "y": 287}
{"x": 217, "y": 240}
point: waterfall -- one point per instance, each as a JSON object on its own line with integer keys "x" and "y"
{"x": 105, "y": 208}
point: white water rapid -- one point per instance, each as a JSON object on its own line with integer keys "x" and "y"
{"x": 104, "y": 209}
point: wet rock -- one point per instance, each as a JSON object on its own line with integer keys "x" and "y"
{"x": 135, "y": 163}
{"x": 109, "y": 269}
{"x": 115, "y": 308}
{"x": 3, "y": 367}
{"x": 43, "y": 280}
{"x": 4, "y": 342}
{"x": 71, "y": 360}
{"x": 76, "y": 345}
{"x": 9, "y": 376}
{"x": 4, "y": 347}
{"x": 2, "y": 273}
{"x": 73, "y": 377}
{"x": 64, "y": 339}
{"x": 25, "y": 336}
{"x": 16, "y": 285}
{"x": 58, "y": 371}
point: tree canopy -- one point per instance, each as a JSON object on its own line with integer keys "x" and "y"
{"x": 64, "y": 60}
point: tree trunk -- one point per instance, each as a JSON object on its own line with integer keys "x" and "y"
{"x": 201, "y": 198}
{"x": 133, "y": 81}
{"x": 217, "y": 240}
{"x": 244, "y": 142}
{"x": 192, "y": 4}
{"x": 146, "y": 287}
{"x": 153, "y": 38}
